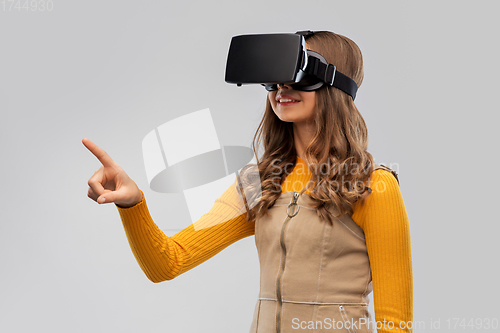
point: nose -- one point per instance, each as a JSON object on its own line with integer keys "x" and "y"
{"x": 284, "y": 86}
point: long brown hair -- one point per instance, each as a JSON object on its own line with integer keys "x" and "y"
{"x": 338, "y": 158}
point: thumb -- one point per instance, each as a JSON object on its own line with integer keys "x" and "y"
{"x": 107, "y": 197}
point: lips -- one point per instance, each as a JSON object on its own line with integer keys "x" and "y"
{"x": 285, "y": 99}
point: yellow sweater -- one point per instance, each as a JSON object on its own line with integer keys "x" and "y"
{"x": 382, "y": 217}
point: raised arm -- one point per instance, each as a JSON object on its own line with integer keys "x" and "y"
{"x": 161, "y": 257}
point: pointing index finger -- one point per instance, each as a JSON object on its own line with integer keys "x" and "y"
{"x": 98, "y": 152}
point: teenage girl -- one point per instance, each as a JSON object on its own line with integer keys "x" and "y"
{"x": 345, "y": 239}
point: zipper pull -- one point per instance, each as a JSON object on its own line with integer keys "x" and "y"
{"x": 293, "y": 205}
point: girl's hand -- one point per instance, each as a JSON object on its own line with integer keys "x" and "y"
{"x": 110, "y": 183}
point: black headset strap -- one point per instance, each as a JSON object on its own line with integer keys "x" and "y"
{"x": 345, "y": 83}
{"x": 305, "y": 33}
{"x": 325, "y": 72}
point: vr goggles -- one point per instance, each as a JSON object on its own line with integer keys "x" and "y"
{"x": 273, "y": 59}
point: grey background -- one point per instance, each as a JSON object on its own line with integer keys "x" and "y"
{"x": 114, "y": 70}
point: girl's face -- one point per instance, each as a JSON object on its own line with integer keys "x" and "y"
{"x": 293, "y": 105}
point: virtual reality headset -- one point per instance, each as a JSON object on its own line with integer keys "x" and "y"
{"x": 273, "y": 59}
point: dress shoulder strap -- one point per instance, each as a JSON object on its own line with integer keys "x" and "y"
{"x": 386, "y": 168}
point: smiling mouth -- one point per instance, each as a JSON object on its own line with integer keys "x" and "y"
{"x": 286, "y": 101}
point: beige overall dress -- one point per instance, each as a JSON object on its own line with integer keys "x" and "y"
{"x": 314, "y": 276}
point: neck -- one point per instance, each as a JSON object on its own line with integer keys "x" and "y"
{"x": 302, "y": 136}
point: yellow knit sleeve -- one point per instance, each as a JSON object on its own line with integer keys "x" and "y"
{"x": 163, "y": 258}
{"x": 384, "y": 220}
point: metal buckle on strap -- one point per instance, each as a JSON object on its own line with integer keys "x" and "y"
{"x": 327, "y": 70}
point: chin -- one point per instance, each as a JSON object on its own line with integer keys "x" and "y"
{"x": 292, "y": 119}
{"x": 288, "y": 119}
